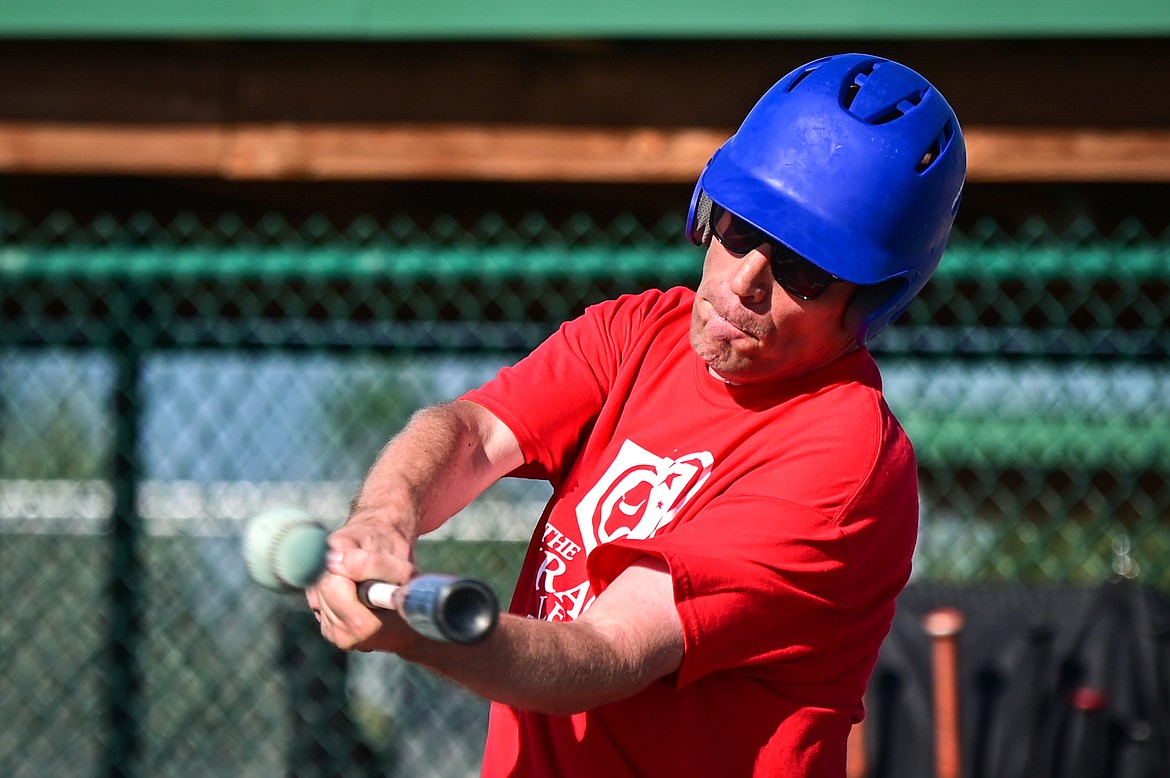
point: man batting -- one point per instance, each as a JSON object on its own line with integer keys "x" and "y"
{"x": 735, "y": 506}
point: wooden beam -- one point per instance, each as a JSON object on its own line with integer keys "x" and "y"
{"x": 476, "y": 152}
{"x": 1061, "y": 154}
{"x": 439, "y": 151}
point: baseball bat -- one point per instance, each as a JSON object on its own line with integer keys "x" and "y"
{"x": 856, "y": 759}
{"x": 451, "y": 608}
{"x": 943, "y": 626}
{"x": 284, "y": 550}
{"x": 1088, "y": 732}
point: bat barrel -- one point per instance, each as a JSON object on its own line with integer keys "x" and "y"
{"x": 450, "y": 608}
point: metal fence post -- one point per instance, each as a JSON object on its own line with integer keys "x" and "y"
{"x": 123, "y": 703}
{"x": 324, "y": 738}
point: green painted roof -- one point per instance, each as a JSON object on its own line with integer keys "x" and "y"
{"x": 465, "y": 19}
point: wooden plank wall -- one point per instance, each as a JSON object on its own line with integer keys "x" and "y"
{"x": 589, "y": 111}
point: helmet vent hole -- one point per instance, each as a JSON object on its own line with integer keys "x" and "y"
{"x": 928, "y": 158}
{"x": 850, "y": 95}
{"x": 939, "y": 145}
{"x": 899, "y": 110}
{"x": 853, "y": 88}
{"x": 801, "y": 77}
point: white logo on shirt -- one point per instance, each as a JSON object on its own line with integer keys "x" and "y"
{"x": 639, "y": 494}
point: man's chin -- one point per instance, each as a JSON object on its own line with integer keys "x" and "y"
{"x": 727, "y": 368}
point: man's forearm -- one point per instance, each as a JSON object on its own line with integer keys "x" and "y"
{"x": 442, "y": 460}
{"x": 536, "y": 665}
{"x": 628, "y": 639}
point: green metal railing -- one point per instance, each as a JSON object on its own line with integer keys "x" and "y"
{"x": 160, "y": 382}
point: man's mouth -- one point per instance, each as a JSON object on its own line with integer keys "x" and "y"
{"x": 719, "y": 323}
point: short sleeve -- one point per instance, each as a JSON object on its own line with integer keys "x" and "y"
{"x": 551, "y": 398}
{"x": 758, "y": 583}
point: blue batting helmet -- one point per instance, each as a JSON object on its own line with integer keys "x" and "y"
{"x": 854, "y": 162}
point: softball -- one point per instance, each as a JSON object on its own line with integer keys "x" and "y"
{"x": 284, "y": 549}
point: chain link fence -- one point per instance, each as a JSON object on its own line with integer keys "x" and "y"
{"x": 162, "y": 382}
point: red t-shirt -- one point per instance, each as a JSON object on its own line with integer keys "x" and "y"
{"x": 786, "y": 512}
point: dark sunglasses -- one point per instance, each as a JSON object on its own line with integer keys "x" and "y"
{"x": 796, "y": 274}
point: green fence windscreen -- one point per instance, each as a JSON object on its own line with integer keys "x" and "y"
{"x": 162, "y": 382}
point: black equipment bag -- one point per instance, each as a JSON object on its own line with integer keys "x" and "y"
{"x": 1053, "y": 683}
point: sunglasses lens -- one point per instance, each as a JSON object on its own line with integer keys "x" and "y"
{"x": 733, "y": 232}
{"x": 798, "y": 275}
{"x": 792, "y": 271}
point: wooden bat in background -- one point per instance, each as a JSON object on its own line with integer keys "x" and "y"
{"x": 943, "y": 625}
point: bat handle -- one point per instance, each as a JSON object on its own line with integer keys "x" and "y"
{"x": 449, "y": 608}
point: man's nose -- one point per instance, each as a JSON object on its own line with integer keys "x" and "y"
{"x": 752, "y": 277}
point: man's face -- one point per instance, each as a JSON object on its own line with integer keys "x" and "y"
{"x": 748, "y": 329}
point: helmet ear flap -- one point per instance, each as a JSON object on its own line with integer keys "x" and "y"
{"x": 871, "y": 308}
{"x": 701, "y": 227}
